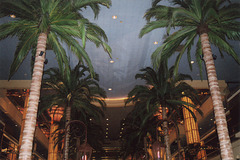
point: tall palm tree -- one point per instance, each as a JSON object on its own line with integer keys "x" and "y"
{"x": 163, "y": 89}
{"x": 208, "y": 21}
{"x": 76, "y": 92}
{"x": 48, "y": 23}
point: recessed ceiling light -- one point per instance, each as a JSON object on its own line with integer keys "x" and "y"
{"x": 109, "y": 89}
{"x": 107, "y": 124}
{"x": 192, "y": 62}
{"x": 114, "y": 17}
{"x": 155, "y": 42}
{"x": 12, "y": 16}
{"x": 107, "y": 119}
{"x": 112, "y": 61}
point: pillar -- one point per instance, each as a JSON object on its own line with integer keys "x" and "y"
{"x": 191, "y": 129}
{"x": 52, "y": 149}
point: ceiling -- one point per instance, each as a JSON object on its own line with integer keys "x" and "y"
{"x": 129, "y": 52}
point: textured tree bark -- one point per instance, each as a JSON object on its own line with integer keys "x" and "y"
{"x": 31, "y": 116}
{"x": 67, "y": 136}
{"x": 166, "y": 136}
{"x": 220, "y": 117}
{"x": 24, "y": 117}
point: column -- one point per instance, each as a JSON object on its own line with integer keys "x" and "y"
{"x": 191, "y": 129}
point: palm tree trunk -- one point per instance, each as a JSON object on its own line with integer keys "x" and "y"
{"x": 24, "y": 117}
{"x": 220, "y": 117}
{"x": 178, "y": 140}
{"x": 67, "y": 135}
{"x": 31, "y": 116}
{"x": 166, "y": 136}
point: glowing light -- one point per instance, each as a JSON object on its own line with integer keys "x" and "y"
{"x": 112, "y": 61}
{"x": 192, "y": 62}
{"x": 114, "y": 17}
{"x": 155, "y": 42}
{"x": 12, "y": 16}
{"x": 109, "y": 89}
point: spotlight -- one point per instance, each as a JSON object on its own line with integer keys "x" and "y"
{"x": 41, "y": 53}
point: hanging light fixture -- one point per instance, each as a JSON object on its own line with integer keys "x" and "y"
{"x": 84, "y": 151}
{"x": 158, "y": 148}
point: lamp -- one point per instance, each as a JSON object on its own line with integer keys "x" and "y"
{"x": 84, "y": 151}
{"x": 158, "y": 148}
{"x": 41, "y": 53}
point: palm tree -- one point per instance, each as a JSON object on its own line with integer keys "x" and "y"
{"x": 163, "y": 89}
{"x": 38, "y": 25}
{"x": 135, "y": 131}
{"x": 208, "y": 21}
{"x": 76, "y": 92}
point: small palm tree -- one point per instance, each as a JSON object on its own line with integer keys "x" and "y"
{"x": 76, "y": 92}
{"x": 164, "y": 90}
{"x": 208, "y": 21}
{"x": 48, "y": 23}
{"x": 135, "y": 131}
